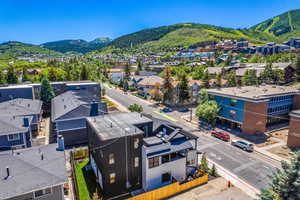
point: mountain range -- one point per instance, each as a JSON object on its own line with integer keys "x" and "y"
{"x": 276, "y": 29}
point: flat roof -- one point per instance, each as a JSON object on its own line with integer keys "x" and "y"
{"x": 295, "y": 113}
{"x": 255, "y": 93}
{"x": 117, "y": 125}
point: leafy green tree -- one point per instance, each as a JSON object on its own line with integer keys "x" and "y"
{"x": 279, "y": 76}
{"x": 219, "y": 80}
{"x": 167, "y": 86}
{"x": 84, "y": 74}
{"x": 11, "y": 76}
{"x": 47, "y": 94}
{"x": 25, "y": 76}
{"x": 135, "y": 108}
{"x": 198, "y": 72}
{"x": 139, "y": 68}
{"x": 203, "y": 96}
{"x": 249, "y": 77}
{"x": 206, "y": 79}
{"x": 183, "y": 89}
{"x": 52, "y": 74}
{"x": 204, "y": 163}
{"x": 285, "y": 183}
{"x": 297, "y": 67}
{"x": 2, "y": 79}
{"x": 267, "y": 76}
{"x": 208, "y": 111}
{"x": 231, "y": 79}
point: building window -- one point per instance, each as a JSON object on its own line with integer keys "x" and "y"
{"x": 43, "y": 192}
{"x": 136, "y": 143}
{"x": 165, "y": 158}
{"x": 233, "y": 102}
{"x": 13, "y": 137}
{"x": 166, "y": 177}
{"x": 136, "y": 161}
{"x": 111, "y": 159}
{"x": 153, "y": 162}
{"x": 112, "y": 178}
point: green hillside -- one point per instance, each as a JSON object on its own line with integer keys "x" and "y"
{"x": 282, "y": 26}
{"x": 79, "y": 46}
{"x": 185, "y": 35}
{"x": 16, "y": 49}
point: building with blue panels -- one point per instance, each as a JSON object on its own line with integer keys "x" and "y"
{"x": 255, "y": 109}
{"x": 15, "y": 132}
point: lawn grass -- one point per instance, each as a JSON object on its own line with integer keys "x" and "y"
{"x": 295, "y": 84}
{"x": 86, "y": 181}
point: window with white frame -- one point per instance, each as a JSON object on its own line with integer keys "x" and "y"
{"x": 43, "y": 192}
{"x": 136, "y": 161}
{"x": 136, "y": 143}
{"x": 112, "y": 178}
{"x": 111, "y": 159}
{"x": 13, "y": 137}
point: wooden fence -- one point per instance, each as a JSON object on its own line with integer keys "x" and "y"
{"x": 171, "y": 189}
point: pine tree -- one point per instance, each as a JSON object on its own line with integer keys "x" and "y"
{"x": 231, "y": 79}
{"x": 249, "y": 77}
{"x": 213, "y": 171}
{"x": 183, "y": 89}
{"x": 267, "y": 76}
{"x": 84, "y": 74}
{"x": 285, "y": 183}
{"x": 127, "y": 70}
{"x": 167, "y": 86}
{"x": 139, "y": 67}
{"x": 11, "y": 76}
{"x": 204, "y": 164}
{"x": 297, "y": 67}
{"x": 47, "y": 94}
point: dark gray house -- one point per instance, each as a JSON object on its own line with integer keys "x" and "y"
{"x": 33, "y": 173}
{"x": 68, "y": 115}
{"x": 115, "y": 143}
{"x": 23, "y": 107}
{"x": 16, "y": 91}
{"x": 15, "y": 132}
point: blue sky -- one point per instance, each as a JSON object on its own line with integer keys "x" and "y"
{"x": 38, "y": 21}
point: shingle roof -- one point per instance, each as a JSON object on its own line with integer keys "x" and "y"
{"x": 19, "y": 107}
{"x": 151, "y": 80}
{"x": 74, "y": 104}
{"x": 13, "y": 124}
{"x": 28, "y": 172}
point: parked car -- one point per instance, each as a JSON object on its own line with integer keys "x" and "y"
{"x": 246, "y": 146}
{"x": 221, "y": 135}
{"x": 166, "y": 110}
{"x": 183, "y": 110}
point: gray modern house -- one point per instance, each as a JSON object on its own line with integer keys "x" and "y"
{"x": 69, "y": 112}
{"x": 115, "y": 143}
{"x": 15, "y": 132}
{"x": 33, "y": 173}
{"x": 23, "y": 108}
{"x": 16, "y": 91}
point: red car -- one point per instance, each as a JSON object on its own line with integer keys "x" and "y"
{"x": 221, "y": 135}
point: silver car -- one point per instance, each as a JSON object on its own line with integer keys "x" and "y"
{"x": 246, "y": 146}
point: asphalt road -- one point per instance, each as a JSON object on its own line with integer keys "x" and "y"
{"x": 253, "y": 168}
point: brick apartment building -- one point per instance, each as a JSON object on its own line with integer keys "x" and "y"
{"x": 294, "y": 129}
{"x": 255, "y": 109}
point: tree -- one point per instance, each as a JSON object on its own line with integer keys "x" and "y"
{"x": 183, "y": 89}
{"x": 231, "y": 79}
{"x": 205, "y": 79}
{"x": 228, "y": 61}
{"x": 167, "y": 86}
{"x": 135, "y": 108}
{"x": 219, "y": 80}
{"x": 11, "y": 76}
{"x": 139, "y": 67}
{"x": 47, "y": 94}
{"x": 213, "y": 171}
{"x": 249, "y": 77}
{"x": 52, "y": 74}
{"x": 285, "y": 183}
{"x": 84, "y": 74}
{"x": 203, "y": 96}
{"x": 267, "y": 76}
{"x": 25, "y": 76}
{"x": 279, "y": 76}
{"x": 155, "y": 93}
{"x": 204, "y": 164}
{"x": 2, "y": 79}
{"x": 125, "y": 85}
{"x": 208, "y": 111}
{"x": 127, "y": 70}
{"x": 297, "y": 67}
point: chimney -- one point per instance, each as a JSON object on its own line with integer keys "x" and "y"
{"x": 94, "y": 109}
{"x": 25, "y": 122}
{"x": 60, "y": 143}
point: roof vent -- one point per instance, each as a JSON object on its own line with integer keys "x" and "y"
{"x": 42, "y": 156}
{"x": 65, "y": 106}
{"x": 7, "y": 173}
{"x": 111, "y": 124}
